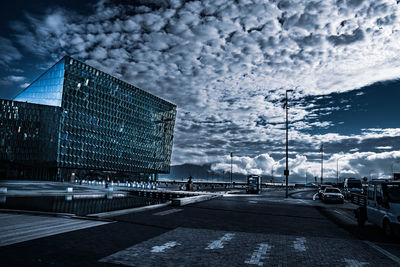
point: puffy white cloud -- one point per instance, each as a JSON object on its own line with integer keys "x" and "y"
{"x": 226, "y": 64}
{"x": 370, "y": 164}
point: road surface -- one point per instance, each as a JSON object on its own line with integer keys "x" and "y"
{"x": 236, "y": 230}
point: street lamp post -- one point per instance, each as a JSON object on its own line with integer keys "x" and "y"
{"x": 286, "y": 172}
{"x": 322, "y": 163}
{"x": 337, "y": 170}
{"x": 306, "y": 173}
{"x": 396, "y": 161}
{"x": 272, "y": 171}
{"x": 231, "y": 167}
{"x": 370, "y": 175}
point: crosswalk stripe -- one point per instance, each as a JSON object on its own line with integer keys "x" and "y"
{"x": 259, "y": 254}
{"x": 158, "y": 249}
{"x": 220, "y": 242}
{"x": 299, "y": 244}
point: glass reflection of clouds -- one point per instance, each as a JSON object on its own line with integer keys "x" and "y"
{"x": 47, "y": 89}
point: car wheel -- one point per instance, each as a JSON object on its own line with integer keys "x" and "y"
{"x": 387, "y": 228}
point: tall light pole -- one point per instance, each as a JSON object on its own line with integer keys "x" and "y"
{"x": 272, "y": 171}
{"x": 286, "y": 172}
{"x": 322, "y": 163}
{"x": 396, "y": 161}
{"x": 370, "y": 175}
{"x": 337, "y": 170}
{"x": 306, "y": 173}
{"x": 231, "y": 167}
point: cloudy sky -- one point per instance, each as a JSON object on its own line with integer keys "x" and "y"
{"x": 227, "y": 64}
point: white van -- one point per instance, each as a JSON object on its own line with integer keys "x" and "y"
{"x": 382, "y": 206}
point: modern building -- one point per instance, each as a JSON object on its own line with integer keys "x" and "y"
{"x": 77, "y": 121}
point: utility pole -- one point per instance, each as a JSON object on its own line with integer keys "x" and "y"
{"x": 337, "y": 170}
{"x": 286, "y": 171}
{"x": 306, "y": 173}
{"x": 322, "y": 163}
{"x": 231, "y": 167}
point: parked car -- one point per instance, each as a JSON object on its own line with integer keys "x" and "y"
{"x": 352, "y": 185}
{"x": 322, "y": 189}
{"x": 332, "y": 194}
{"x": 382, "y": 206}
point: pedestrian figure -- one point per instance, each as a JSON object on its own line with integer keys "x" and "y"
{"x": 189, "y": 184}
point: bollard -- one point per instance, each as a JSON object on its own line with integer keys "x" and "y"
{"x": 110, "y": 189}
{"x": 69, "y": 189}
{"x": 3, "y": 190}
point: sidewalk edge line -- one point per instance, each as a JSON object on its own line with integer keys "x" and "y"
{"x": 383, "y": 251}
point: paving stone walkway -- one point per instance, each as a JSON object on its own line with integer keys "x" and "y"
{"x": 203, "y": 247}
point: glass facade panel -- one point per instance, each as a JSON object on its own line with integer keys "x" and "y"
{"x": 108, "y": 124}
{"x": 47, "y": 89}
{"x": 101, "y": 123}
{"x": 28, "y": 139}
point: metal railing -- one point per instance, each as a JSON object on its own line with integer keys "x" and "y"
{"x": 359, "y": 199}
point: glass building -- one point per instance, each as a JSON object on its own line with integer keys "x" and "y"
{"x": 75, "y": 121}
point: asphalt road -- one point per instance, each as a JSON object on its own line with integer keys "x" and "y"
{"x": 236, "y": 230}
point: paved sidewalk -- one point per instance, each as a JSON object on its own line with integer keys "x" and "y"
{"x": 16, "y": 228}
{"x": 203, "y": 247}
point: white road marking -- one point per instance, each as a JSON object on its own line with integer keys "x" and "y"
{"x": 300, "y": 244}
{"x": 383, "y": 251}
{"x": 354, "y": 263}
{"x": 220, "y": 242}
{"x": 166, "y": 212}
{"x": 304, "y": 201}
{"x": 314, "y": 196}
{"x": 259, "y": 254}
{"x": 158, "y": 249}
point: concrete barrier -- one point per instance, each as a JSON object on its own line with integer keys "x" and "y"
{"x": 3, "y": 190}
{"x": 190, "y": 200}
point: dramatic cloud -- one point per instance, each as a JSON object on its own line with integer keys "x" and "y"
{"x": 370, "y": 164}
{"x": 226, "y": 65}
{"x": 8, "y": 52}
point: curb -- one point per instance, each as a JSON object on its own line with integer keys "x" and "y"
{"x": 195, "y": 199}
{"x": 126, "y": 211}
